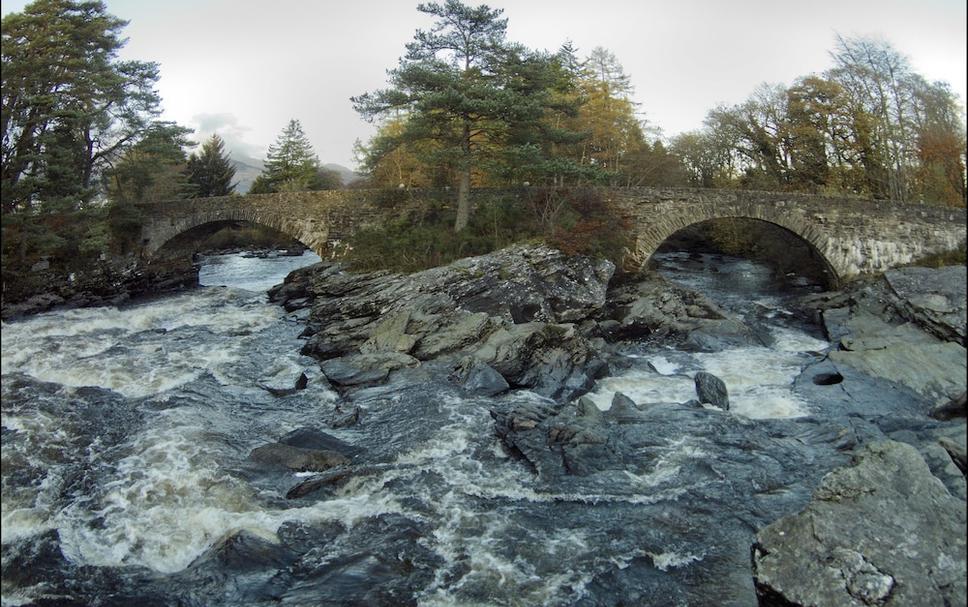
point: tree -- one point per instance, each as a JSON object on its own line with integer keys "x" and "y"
{"x": 69, "y": 105}
{"x": 291, "y": 165}
{"x": 153, "y": 169}
{"x": 210, "y": 171}
{"x": 940, "y": 144}
{"x": 389, "y": 161}
{"x": 446, "y": 85}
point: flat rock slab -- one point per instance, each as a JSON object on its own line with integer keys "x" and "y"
{"x": 884, "y": 531}
{"x": 935, "y": 371}
{"x": 934, "y": 298}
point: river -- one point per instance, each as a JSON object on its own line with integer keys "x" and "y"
{"x": 126, "y": 434}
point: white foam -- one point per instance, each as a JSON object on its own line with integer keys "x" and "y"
{"x": 664, "y": 561}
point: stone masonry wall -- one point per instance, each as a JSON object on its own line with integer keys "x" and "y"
{"x": 854, "y": 236}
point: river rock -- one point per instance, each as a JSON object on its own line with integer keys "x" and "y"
{"x": 933, "y": 298}
{"x": 653, "y": 305}
{"x": 906, "y": 327}
{"x": 296, "y": 458}
{"x": 239, "y": 551}
{"x": 365, "y": 368}
{"x": 484, "y": 380}
{"x": 883, "y": 530}
{"x": 279, "y": 385}
{"x": 622, "y": 409}
{"x": 311, "y": 438}
{"x": 710, "y": 389}
{"x": 512, "y": 310}
{"x": 950, "y": 409}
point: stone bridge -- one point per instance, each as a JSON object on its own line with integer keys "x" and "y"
{"x": 852, "y": 236}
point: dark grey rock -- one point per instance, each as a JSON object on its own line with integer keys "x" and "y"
{"x": 950, "y": 409}
{"x": 368, "y": 368}
{"x": 311, "y": 438}
{"x": 884, "y": 529}
{"x": 710, "y": 389}
{"x": 484, "y": 380}
{"x": 933, "y": 298}
{"x": 277, "y": 387}
{"x": 297, "y": 458}
{"x": 511, "y": 310}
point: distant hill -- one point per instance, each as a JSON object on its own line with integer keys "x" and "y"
{"x": 347, "y": 175}
{"x": 247, "y": 169}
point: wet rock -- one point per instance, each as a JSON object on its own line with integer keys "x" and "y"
{"x": 278, "y": 387}
{"x": 311, "y": 438}
{"x": 314, "y": 484}
{"x": 242, "y": 551}
{"x": 484, "y": 380}
{"x": 347, "y": 420}
{"x": 950, "y": 409}
{"x": 511, "y": 310}
{"x": 297, "y": 458}
{"x": 379, "y": 561}
{"x": 710, "y": 389}
{"x": 884, "y": 528}
{"x": 933, "y": 298}
{"x": 367, "y": 368}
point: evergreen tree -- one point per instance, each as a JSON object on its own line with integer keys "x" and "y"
{"x": 291, "y": 164}
{"x": 446, "y": 85}
{"x": 70, "y": 106}
{"x": 153, "y": 169}
{"x": 210, "y": 171}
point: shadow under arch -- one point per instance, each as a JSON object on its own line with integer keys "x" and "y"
{"x": 226, "y": 234}
{"x": 758, "y": 239}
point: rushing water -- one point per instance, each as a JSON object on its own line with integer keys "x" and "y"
{"x": 759, "y": 377}
{"x": 126, "y": 432}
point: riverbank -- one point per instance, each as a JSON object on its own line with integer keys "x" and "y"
{"x": 112, "y": 281}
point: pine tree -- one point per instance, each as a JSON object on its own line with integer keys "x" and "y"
{"x": 71, "y": 106}
{"x": 211, "y": 171}
{"x": 291, "y": 164}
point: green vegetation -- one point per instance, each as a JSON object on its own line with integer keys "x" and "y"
{"x": 81, "y": 139}
{"x": 419, "y": 234}
{"x": 464, "y": 108}
{"x": 210, "y": 171}
{"x": 292, "y": 166}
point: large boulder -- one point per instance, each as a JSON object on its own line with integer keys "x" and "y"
{"x": 513, "y": 310}
{"x": 711, "y": 390}
{"x": 882, "y": 531}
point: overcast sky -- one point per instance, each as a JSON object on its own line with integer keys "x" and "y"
{"x": 243, "y": 68}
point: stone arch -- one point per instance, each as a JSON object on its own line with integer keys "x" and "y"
{"x": 159, "y": 232}
{"x": 651, "y": 236}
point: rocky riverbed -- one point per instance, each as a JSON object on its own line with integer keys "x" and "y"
{"x": 532, "y": 319}
{"x": 520, "y": 428}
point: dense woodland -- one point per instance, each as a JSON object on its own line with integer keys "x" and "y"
{"x": 465, "y": 108}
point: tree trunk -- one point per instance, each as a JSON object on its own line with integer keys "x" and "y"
{"x": 464, "y": 186}
{"x": 463, "y": 199}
